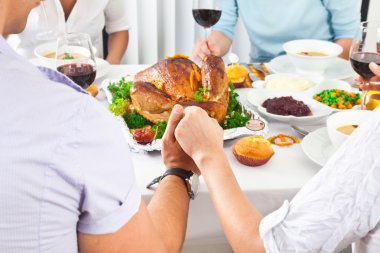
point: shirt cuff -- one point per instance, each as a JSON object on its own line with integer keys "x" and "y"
{"x": 120, "y": 25}
{"x": 116, "y": 219}
{"x": 229, "y": 34}
{"x": 267, "y": 225}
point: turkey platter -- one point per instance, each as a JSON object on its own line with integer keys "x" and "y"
{"x": 146, "y": 102}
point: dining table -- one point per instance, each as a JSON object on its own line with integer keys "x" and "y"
{"x": 266, "y": 187}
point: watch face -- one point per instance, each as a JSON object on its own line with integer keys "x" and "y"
{"x": 195, "y": 184}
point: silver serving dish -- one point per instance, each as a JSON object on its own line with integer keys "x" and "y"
{"x": 157, "y": 144}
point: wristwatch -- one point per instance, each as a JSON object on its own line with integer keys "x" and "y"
{"x": 190, "y": 179}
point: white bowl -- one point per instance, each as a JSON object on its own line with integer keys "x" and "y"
{"x": 51, "y": 47}
{"x": 355, "y": 117}
{"x": 284, "y": 83}
{"x": 333, "y": 84}
{"x": 311, "y": 64}
{"x": 43, "y": 49}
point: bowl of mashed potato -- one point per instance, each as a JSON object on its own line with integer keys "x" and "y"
{"x": 284, "y": 83}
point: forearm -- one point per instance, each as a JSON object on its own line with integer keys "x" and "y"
{"x": 220, "y": 43}
{"x": 346, "y": 44}
{"x": 240, "y": 220}
{"x": 168, "y": 210}
{"x": 117, "y": 45}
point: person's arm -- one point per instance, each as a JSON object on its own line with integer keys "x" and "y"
{"x": 240, "y": 220}
{"x": 345, "y": 43}
{"x": 241, "y": 225}
{"x": 220, "y": 40}
{"x": 217, "y": 44}
{"x": 345, "y": 20}
{"x": 158, "y": 227}
{"x": 117, "y": 45}
{"x": 117, "y": 25}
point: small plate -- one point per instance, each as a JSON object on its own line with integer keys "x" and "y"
{"x": 102, "y": 66}
{"x": 318, "y": 147}
{"x": 338, "y": 69}
{"x": 320, "y": 112}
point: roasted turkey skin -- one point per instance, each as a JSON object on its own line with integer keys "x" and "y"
{"x": 173, "y": 81}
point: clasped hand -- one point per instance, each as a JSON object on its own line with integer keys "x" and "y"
{"x": 190, "y": 137}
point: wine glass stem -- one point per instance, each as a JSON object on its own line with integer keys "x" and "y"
{"x": 205, "y": 33}
{"x": 45, "y": 15}
{"x": 364, "y": 95}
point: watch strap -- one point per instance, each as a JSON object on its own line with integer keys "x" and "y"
{"x": 185, "y": 175}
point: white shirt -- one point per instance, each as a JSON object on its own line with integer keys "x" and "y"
{"x": 64, "y": 163}
{"x": 87, "y": 16}
{"x": 337, "y": 207}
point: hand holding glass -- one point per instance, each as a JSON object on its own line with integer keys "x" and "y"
{"x": 364, "y": 50}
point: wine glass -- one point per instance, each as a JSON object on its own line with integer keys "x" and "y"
{"x": 75, "y": 58}
{"x": 364, "y": 50}
{"x": 47, "y": 34}
{"x": 206, "y": 13}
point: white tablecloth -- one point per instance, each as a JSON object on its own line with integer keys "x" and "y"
{"x": 266, "y": 186}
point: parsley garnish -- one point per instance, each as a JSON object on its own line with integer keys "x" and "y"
{"x": 68, "y": 56}
{"x": 159, "y": 129}
{"x": 198, "y": 95}
{"x": 235, "y": 116}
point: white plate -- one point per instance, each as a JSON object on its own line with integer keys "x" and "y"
{"x": 338, "y": 69}
{"x": 318, "y": 147}
{"x": 157, "y": 144}
{"x": 320, "y": 112}
{"x": 102, "y": 66}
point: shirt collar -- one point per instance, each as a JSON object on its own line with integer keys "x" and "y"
{"x": 6, "y": 49}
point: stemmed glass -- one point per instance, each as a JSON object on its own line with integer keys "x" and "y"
{"x": 75, "y": 58}
{"x": 364, "y": 50}
{"x": 47, "y": 34}
{"x": 206, "y": 13}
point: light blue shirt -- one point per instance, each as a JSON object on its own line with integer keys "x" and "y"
{"x": 64, "y": 164}
{"x": 271, "y": 23}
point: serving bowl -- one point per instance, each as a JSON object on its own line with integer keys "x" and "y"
{"x": 352, "y": 117}
{"x": 307, "y": 64}
{"x": 284, "y": 83}
{"x": 319, "y": 112}
{"x": 43, "y": 50}
{"x": 333, "y": 85}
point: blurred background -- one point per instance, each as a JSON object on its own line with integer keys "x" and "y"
{"x": 165, "y": 27}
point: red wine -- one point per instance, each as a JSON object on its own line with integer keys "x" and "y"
{"x": 360, "y": 63}
{"x": 378, "y": 47}
{"x": 82, "y": 74}
{"x": 207, "y": 17}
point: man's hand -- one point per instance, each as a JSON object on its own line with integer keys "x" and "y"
{"x": 172, "y": 153}
{"x": 199, "y": 135}
{"x": 201, "y": 49}
{"x": 217, "y": 44}
{"x": 375, "y": 69}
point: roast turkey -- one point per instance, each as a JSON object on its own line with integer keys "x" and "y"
{"x": 175, "y": 81}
